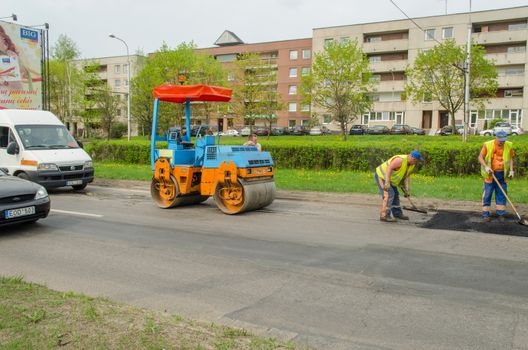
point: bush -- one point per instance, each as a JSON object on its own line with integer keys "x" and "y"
{"x": 442, "y": 157}
{"x": 118, "y": 130}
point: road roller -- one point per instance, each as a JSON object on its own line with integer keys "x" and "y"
{"x": 239, "y": 178}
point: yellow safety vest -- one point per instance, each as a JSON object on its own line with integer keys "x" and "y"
{"x": 506, "y": 157}
{"x": 397, "y": 176}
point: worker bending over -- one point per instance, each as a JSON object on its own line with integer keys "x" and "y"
{"x": 496, "y": 158}
{"x": 394, "y": 173}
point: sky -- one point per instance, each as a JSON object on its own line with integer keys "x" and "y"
{"x": 146, "y": 24}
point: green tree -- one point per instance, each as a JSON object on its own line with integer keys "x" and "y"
{"x": 106, "y": 103}
{"x": 164, "y": 67}
{"x": 86, "y": 106}
{"x": 339, "y": 82}
{"x": 65, "y": 79}
{"x": 255, "y": 93}
{"x": 438, "y": 74}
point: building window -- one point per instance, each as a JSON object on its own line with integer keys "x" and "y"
{"x": 344, "y": 39}
{"x": 517, "y": 26}
{"x": 516, "y": 49}
{"x": 306, "y": 54}
{"x": 117, "y": 83}
{"x": 292, "y": 123}
{"x": 293, "y": 55}
{"x": 447, "y": 33}
{"x": 373, "y": 39}
{"x": 515, "y": 70}
{"x": 365, "y": 118}
{"x": 226, "y": 58}
{"x": 375, "y": 78}
{"x": 305, "y": 122}
{"x": 513, "y": 93}
{"x": 125, "y": 68}
{"x": 126, "y": 82}
{"x": 118, "y": 111}
{"x": 396, "y": 117}
{"x": 373, "y": 59}
{"x": 429, "y": 34}
{"x": 292, "y": 107}
{"x": 305, "y": 107}
{"x": 292, "y": 90}
{"x": 375, "y": 97}
{"x": 305, "y": 71}
{"x": 293, "y": 72}
{"x": 513, "y": 116}
{"x": 328, "y": 41}
{"x": 117, "y": 68}
{"x": 230, "y": 76}
{"x": 327, "y": 118}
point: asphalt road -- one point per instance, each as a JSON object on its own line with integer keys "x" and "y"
{"x": 320, "y": 273}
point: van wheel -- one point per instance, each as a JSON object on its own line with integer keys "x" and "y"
{"x": 80, "y": 187}
{"x": 23, "y": 176}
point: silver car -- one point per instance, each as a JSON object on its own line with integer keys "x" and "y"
{"x": 506, "y": 127}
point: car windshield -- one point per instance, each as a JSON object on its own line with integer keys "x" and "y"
{"x": 2, "y": 173}
{"x": 46, "y": 137}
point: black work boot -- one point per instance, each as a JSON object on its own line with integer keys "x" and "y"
{"x": 401, "y": 217}
{"x": 485, "y": 219}
{"x": 387, "y": 219}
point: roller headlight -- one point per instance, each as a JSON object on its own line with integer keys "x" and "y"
{"x": 41, "y": 193}
{"x": 88, "y": 164}
{"x": 47, "y": 166}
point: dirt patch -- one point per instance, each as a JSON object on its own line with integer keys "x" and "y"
{"x": 471, "y": 221}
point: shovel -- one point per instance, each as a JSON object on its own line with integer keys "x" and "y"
{"x": 414, "y": 207}
{"x": 521, "y": 221}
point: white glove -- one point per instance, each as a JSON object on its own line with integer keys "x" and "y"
{"x": 511, "y": 174}
{"x": 387, "y": 185}
{"x": 488, "y": 170}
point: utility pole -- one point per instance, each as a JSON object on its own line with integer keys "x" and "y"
{"x": 467, "y": 69}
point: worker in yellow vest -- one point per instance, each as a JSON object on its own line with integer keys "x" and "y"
{"x": 496, "y": 157}
{"x": 394, "y": 173}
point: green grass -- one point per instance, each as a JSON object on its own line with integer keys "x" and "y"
{"x": 35, "y": 317}
{"x": 442, "y": 187}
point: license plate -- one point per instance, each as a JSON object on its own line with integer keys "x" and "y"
{"x": 15, "y": 213}
{"x": 74, "y": 182}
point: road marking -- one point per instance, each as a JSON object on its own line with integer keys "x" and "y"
{"x": 76, "y": 213}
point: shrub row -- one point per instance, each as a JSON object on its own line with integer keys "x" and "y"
{"x": 441, "y": 158}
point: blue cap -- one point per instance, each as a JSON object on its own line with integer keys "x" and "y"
{"x": 501, "y": 135}
{"x": 416, "y": 154}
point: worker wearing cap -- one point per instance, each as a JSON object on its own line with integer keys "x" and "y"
{"x": 496, "y": 158}
{"x": 394, "y": 173}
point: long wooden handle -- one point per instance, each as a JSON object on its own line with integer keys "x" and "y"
{"x": 505, "y": 195}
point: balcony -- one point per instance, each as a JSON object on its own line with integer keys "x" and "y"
{"x": 510, "y": 80}
{"x": 501, "y": 59}
{"x": 390, "y": 106}
{"x": 501, "y": 36}
{"x": 505, "y": 103}
{"x": 390, "y": 85}
{"x": 388, "y": 66}
{"x": 386, "y": 46}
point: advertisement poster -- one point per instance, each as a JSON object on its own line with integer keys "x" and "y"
{"x": 20, "y": 68}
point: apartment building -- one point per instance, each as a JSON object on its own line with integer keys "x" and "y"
{"x": 291, "y": 58}
{"x": 113, "y": 72}
{"x": 393, "y": 45}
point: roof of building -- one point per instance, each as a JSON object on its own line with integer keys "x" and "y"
{"x": 228, "y": 38}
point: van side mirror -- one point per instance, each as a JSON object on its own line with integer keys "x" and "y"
{"x": 80, "y": 143}
{"x": 12, "y": 148}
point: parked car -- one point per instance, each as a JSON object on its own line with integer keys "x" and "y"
{"x": 315, "y": 131}
{"x": 400, "y": 129}
{"x": 262, "y": 132}
{"x": 502, "y": 126}
{"x": 245, "y": 131}
{"x": 517, "y": 130}
{"x": 378, "y": 130}
{"x": 448, "y": 130}
{"x": 417, "y": 131}
{"x": 230, "y": 132}
{"x": 358, "y": 129}
{"x": 300, "y": 130}
{"x": 21, "y": 200}
{"x": 487, "y": 132}
{"x": 280, "y": 131}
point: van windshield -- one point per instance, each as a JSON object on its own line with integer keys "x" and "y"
{"x": 45, "y": 137}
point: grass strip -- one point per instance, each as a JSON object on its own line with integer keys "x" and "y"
{"x": 441, "y": 187}
{"x": 35, "y": 317}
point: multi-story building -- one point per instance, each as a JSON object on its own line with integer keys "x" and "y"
{"x": 393, "y": 45}
{"x": 292, "y": 59}
{"x": 113, "y": 72}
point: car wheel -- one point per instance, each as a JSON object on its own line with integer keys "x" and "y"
{"x": 514, "y": 134}
{"x": 23, "y": 176}
{"x": 487, "y": 134}
{"x": 80, "y": 187}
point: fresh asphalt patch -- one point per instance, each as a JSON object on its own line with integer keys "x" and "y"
{"x": 472, "y": 222}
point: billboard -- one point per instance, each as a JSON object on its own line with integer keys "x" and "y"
{"x": 20, "y": 67}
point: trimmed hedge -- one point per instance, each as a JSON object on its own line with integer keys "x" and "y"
{"x": 442, "y": 158}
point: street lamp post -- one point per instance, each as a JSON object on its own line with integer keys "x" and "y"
{"x": 128, "y": 85}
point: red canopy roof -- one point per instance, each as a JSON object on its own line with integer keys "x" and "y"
{"x": 181, "y": 93}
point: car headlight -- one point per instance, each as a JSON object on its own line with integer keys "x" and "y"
{"x": 88, "y": 164}
{"x": 41, "y": 193}
{"x": 47, "y": 166}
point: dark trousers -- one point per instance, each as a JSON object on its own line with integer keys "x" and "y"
{"x": 500, "y": 199}
{"x": 391, "y": 200}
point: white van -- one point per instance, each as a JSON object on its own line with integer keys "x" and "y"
{"x": 36, "y": 146}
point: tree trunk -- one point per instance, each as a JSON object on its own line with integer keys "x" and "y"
{"x": 343, "y": 131}
{"x": 452, "y": 115}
